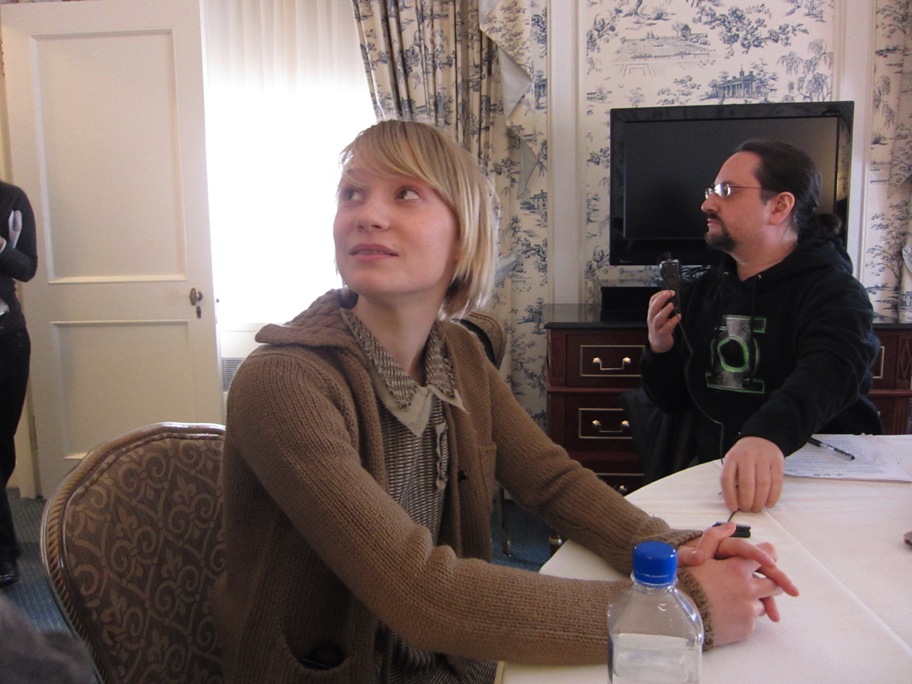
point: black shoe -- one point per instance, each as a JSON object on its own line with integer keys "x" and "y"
{"x": 9, "y": 573}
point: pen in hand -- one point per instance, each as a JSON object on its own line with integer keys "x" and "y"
{"x": 830, "y": 447}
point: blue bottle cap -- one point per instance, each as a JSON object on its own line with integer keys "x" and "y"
{"x": 654, "y": 563}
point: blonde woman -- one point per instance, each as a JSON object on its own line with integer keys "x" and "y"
{"x": 364, "y": 440}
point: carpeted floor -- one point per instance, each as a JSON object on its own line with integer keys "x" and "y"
{"x": 31, "y": 593}
{"x": 528, "y": 542}
{"x": 529, "y": 547}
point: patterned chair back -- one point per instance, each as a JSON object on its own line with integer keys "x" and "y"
{"x": 132, "y": 541}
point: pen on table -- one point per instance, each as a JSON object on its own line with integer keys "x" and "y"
{"x": 830, "y": 447}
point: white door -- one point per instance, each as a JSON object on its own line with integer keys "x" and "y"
{"x": 105, "y": 105}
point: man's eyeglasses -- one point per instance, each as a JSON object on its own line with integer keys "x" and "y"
{"x": 725, "y": 189}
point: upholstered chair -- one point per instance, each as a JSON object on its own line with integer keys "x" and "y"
{"x": 132, "y": 542}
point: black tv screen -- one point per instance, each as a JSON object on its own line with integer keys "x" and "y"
{"x": 663, "y": 158}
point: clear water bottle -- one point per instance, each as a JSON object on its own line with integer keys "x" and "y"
{"x": 655, "y": 633}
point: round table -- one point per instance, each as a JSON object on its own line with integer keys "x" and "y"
{"x": 840, "y": 540}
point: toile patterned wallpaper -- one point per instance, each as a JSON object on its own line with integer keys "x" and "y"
{"x": 685, "y": 52}
{"x": 677, "y": 52}
{"x": 691, "y": 52}
{"x": 887, "y": 269}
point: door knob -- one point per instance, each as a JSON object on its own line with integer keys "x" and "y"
{"x": 195, "y": 296}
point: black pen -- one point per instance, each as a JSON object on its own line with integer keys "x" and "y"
{"x": 830, "y": 447}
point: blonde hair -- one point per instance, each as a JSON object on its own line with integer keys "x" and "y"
{"x": 421, "y": 151}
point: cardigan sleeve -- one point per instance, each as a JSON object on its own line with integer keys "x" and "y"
{"x": 300, "y": 435}
{"x": 572, "y": 499}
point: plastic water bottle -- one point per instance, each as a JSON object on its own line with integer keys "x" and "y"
{"x": 655, "y": 633}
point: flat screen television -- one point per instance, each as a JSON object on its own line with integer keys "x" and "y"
{"x": 663, "y": 158}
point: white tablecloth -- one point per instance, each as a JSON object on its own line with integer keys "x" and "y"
{"x": 841, "y": 541}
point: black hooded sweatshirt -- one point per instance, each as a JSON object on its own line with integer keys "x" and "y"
{"x": 19, "y": 262}
{"x": 782, "y": 355}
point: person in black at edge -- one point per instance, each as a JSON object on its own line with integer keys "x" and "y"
{"x": 774, "y": 344}
{"x": 18, "y": 261}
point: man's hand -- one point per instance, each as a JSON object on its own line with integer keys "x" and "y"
{"x": 752, "y": 475}
{"x": 661, "y": 320}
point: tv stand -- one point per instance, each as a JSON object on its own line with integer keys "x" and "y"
{"x": 592, "y": 361}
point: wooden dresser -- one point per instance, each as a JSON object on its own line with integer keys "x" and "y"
{"x": 591, "y": 362}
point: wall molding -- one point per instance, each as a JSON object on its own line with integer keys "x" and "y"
{"x": 566, "y": 63}
{"x": 854, "y": 31}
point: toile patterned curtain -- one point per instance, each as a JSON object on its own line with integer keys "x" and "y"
{"x": 888, "y": 256}
{"x": 467, "y": 65}
{"x": 429, "y": 61}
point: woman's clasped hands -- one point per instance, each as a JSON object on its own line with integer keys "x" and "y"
{"x": 740, "y": 580}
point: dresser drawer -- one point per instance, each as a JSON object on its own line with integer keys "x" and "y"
{"x": 599, "y": 422}
{"x": 589, "y": 422}
{"x": 589, "y": 367}
{"x": 599, "y": 359}
{"x": 592, "y": 428}
{"x": 893, "y": 366}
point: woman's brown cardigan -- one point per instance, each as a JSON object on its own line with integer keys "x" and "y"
{"x": 317, "y": 552}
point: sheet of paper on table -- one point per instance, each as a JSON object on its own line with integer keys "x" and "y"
{"x": 873, "y": 460}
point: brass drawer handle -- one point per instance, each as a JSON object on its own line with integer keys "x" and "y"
{"x": 625, "y": 427}
{"x": 625, "y": 364}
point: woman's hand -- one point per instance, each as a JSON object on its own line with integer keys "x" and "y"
{"x": 740, "y": 580}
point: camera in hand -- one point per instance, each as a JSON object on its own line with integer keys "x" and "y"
{"x": 670, "y": 276}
